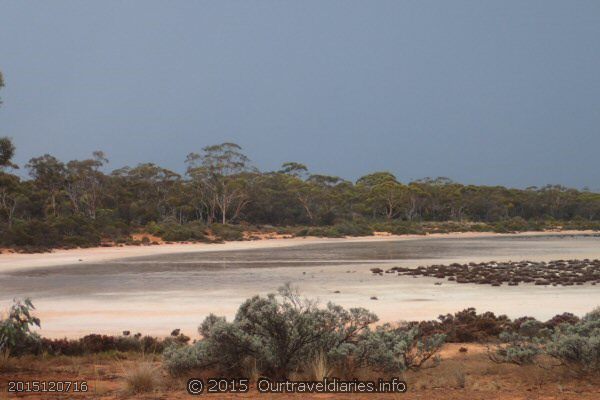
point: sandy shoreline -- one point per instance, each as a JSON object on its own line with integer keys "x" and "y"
{"x": 17, "y": 261}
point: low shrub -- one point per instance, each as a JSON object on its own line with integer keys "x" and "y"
{"x": 64, "y": 346}
{"x": 577, "y": 346}
{"x": 564, "y": 318}
{"x": 91, "y": 344}
{"x": 343, "y": 229}
{"x": 581, "y": 224}
{"x": 179, "y": 359}
{"x": 98, "y": 343}
{"x": 400, "y": 227}
{"x": 326, "y": 231}
{"x": 466, "y": 326}
{"x": 469, "y": 326}
{"x": 227, "y": 232}
{"x": 281, "y": 334}
{"x": 393, "y": 350}
{"x": 518, "y": 224}
{"x": 573, "y": 345}
{"x": 350, "y": 228}
{"x": 16, "y": 337}
{"x": 523, "y": 345}
{"x": 174, "y": 232}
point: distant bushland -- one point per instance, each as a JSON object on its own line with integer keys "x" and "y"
{"x": 221, "y": 196}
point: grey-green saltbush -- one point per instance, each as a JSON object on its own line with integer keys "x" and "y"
{"x": 180, "y": 359}
{"x": 576, "y": 346}
{"x": 283, "y": 333}
{"x": 392, "y": 350}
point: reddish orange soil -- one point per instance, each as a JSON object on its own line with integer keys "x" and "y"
{"x": 469, "y": 376}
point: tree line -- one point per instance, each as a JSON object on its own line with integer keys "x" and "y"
{"x": 77, "y": 203}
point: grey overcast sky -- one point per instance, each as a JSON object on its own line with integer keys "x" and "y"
{"x": 487, "y": 92}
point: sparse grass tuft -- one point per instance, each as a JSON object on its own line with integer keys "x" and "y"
{"x": 460, "y": 378}
{"x": 142, "y": 378}
{"x": 319, "y": 367}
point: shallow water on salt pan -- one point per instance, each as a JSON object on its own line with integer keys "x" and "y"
{"x": 154, "y": 295}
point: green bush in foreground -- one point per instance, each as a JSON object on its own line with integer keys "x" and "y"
{"x": 15, "y": 333}
{"x": 575, "y": 346}
{"x": 282, "y": 334}
{"x": 394, "y": 350}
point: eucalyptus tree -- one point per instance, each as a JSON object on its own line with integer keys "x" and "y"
{"x": 558, "y": 201}
{"x": 417, "y": 198}
{"x": 9, "y": 184}
{"x": 7, "y": 151}
{"x": 383, "y": 194}
{"x": 437, "y": 205}
{"x": 11, "y": 194}
{"x": 274, "y": 200}
{"x": 83, "y": 183}
{"x": 152, "y": 188}
{"x": 221, "y": 174}
{"x": 325, "y": 198}
{"x": 589, "y": 206}
{"x": 294, "y": 169}
{"x": 487, "y": 203}
{"x": 49, "y": 175}
{"x": 7, "y": 148}
{"x": 454, "y": 198}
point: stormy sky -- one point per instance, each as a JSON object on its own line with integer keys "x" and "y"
{"x": 487, "y": 92}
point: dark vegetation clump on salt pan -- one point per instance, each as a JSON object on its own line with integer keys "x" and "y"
{"x": 557, "y": 272}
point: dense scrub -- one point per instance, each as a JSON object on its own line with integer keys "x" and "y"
{"x": 575, "y": 345}
{"x": 469, "y": 326}
{"x": 286, "y": 335}
{"x": 278, "y": 336}
{"x": 173, "y": 232}
{"x": 94, "y": 343}
{"x": 81, "y": 203}
{"x": 17, "y": 338}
